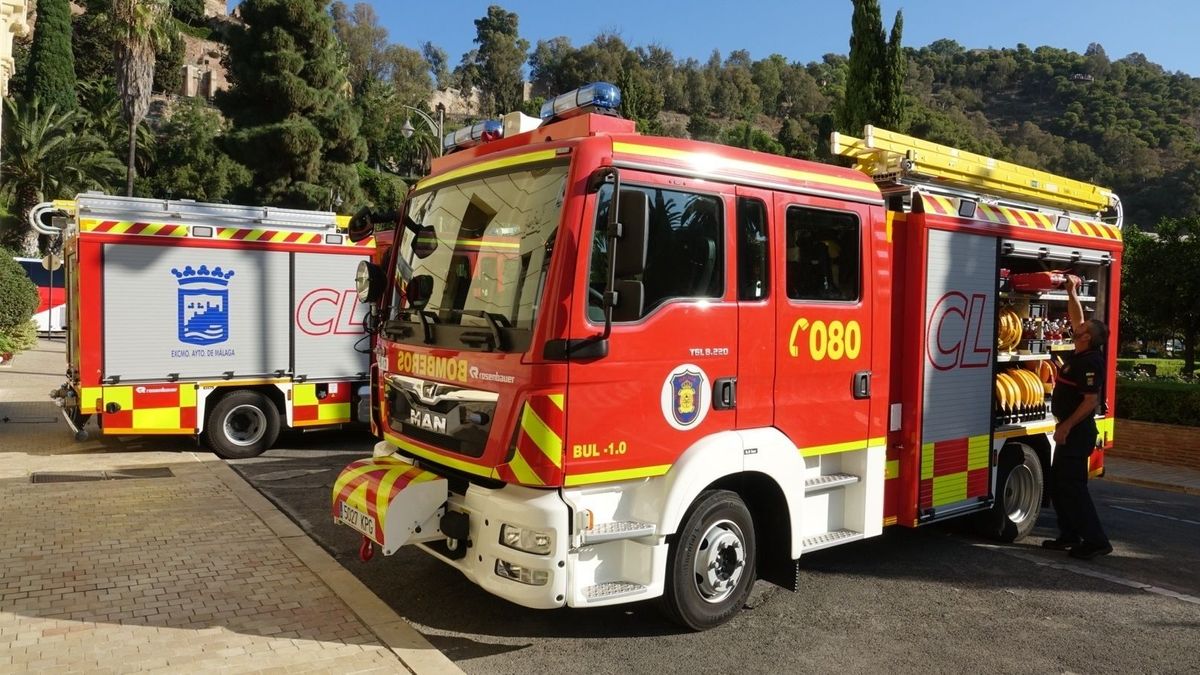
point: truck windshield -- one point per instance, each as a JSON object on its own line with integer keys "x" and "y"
{"x": 485, "y": 244}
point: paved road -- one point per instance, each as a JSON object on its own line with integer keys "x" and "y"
{"x": 935, "y": 599}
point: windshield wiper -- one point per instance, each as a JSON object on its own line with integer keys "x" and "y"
{"x": 490, "y": 341}
{"x": 428, "y": 320}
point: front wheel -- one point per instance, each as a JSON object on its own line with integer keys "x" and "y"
{"x": 711, "y": 566}
{"x": 1018, "y": 495}
{"x": 242, "y": 424}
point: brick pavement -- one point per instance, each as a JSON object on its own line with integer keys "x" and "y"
{"x": 191, "y": 573}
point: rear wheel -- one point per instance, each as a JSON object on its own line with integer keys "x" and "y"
{"x": 1018, "y": 495}
{"x": 711, "y": 566}
{"x": 242, "y": 424}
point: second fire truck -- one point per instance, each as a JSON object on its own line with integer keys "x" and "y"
{"x": 698, "y": 363}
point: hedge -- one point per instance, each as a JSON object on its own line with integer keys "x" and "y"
{"x": 18, "y": 295}
{"x": 1158, "y": 367}
{"x": 1162, "y": 402}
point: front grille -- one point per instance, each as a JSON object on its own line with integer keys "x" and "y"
{"x": 458, "y": 426}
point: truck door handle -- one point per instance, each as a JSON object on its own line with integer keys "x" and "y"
{"x": 725, "y": 393}
{"x": 862, "y": 384}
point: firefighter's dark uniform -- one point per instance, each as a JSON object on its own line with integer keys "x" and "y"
{"x": 1082, "y": 373}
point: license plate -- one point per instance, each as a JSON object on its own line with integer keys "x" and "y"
{"x": 358, "y": 520}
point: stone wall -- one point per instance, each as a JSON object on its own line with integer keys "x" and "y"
{"x": 1158, "y": 443}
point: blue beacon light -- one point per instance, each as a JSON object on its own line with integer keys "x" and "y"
{"x": 480, "y": 132}
{"x": 595, "y": 97}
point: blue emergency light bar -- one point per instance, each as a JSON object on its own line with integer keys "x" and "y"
{"x": 480, "y": 132}
{"x": 594, "y": 97}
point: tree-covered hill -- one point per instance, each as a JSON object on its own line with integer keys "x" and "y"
{"x": 1126, "y": 124}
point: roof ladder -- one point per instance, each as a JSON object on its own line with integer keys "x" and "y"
{"x": 894, "y": 158}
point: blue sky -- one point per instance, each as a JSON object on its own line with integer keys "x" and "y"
{"x": 1163, "y": 30}
{"x": 803, "y": 30}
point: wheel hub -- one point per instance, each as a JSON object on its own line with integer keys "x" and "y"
{"x": 245, "y": 425}
{"x": 1020, "y": 493}
{"x": 720, "y": 561}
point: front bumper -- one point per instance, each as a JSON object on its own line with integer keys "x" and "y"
{"x": 393, "y": 502}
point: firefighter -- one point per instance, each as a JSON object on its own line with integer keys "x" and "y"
{"x": 1076, "y": 395}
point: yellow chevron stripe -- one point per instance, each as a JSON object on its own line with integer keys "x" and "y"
{"x": 839, "y": 447}
{"x": 622, "y": 474}
{"x": 383, "y": 494}
{"x": 542, "y": 436}
{"x": 1010, "y": 217}
{"x": 376, "y": 464}
{"x": 556, "y": 399}
{"x": 524, "y": 473}
{"x": 946, "y": 203}
{"x": 417, "y": 450}
{"x": 226, "y": 232}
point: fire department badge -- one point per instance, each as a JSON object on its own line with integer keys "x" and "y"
{"x": 203, "y": 316}
{"x": 685, "y": 397}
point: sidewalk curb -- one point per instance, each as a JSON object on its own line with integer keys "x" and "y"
{"x": 1142, "y": 482}
{"x": 413, "y": 650}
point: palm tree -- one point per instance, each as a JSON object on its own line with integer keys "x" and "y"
{"x": 142, "y": 27}
{"x": 49, "y": 154}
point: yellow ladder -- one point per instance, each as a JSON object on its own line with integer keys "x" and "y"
{"x": 881, "y": 153}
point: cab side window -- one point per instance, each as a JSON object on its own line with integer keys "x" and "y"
{"x": 752, "y": 253}
{"x": 824, "y": 258}
{"x": 686, "y": 248}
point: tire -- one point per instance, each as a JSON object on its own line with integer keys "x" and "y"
{"x": 1019, "y": 484}
{"x": 712, "y": 561}
{"x": 242, "y": 424}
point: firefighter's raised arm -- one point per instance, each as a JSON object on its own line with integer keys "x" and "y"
{"x": 1074, "y": 308}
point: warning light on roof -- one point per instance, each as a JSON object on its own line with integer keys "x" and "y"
{"x": 599, "y": 97}
{"x": 480, "y": 132}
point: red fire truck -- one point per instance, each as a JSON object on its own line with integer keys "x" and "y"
{"x": 219, "y": 321}
{"x": 711, "y": 362}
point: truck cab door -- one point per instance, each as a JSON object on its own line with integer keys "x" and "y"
{"x": 658, "y": 390}
{"x": 823, "y": 379}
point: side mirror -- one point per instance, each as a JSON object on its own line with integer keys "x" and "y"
{"x": 632, "y": 245}
{"x": 361, "y": 225}
{"x": 418, "y": 291}
{"x": 369, "y": 281}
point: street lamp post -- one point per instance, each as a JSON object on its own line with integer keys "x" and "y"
{"x": 436, "y": 127}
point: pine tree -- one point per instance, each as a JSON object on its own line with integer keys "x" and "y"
{"x": 864, "y": 81}
{"x": 290, "y": 105}
{"x": 892, "y": 104}
{"x": 877, "y": 70}
{"x": 51, "y": 77}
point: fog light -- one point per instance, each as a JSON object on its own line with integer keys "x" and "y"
{"x": 522, "y": 574}
{"x": 525, "y": 539}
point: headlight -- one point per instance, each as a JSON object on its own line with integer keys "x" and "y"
{"x": 521, "y": 573}
{"x": 525, "y": 539}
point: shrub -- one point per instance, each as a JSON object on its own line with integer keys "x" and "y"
{"x": 17, "y": 339}
{"x": 1159, "y": 401}
{"x": 18, "y": 295}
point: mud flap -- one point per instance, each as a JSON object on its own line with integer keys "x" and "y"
{"x": 390, "y": 501}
